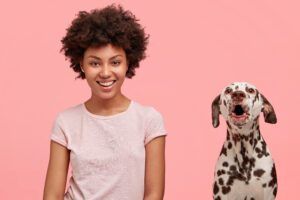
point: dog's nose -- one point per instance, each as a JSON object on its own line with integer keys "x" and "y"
{"x": 238, "y": 95}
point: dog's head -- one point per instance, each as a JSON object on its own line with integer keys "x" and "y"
{"x": 241, "y": 103}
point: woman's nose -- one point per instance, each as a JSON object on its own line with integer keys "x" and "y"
{"x": 105, "y": 71}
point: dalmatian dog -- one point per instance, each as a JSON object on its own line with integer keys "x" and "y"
{"x": 245, "y": 169}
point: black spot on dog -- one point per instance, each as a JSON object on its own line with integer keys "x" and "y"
{"x": 223, "y": 151}
{"x": 264, "y": 148}
{"x": 257, "y": 150}
{"x": 264, "y": 185}
{"x": 232, "y": 168}
{"x": 226, "y": 189}
{"x": 243, "y": 149}
{"x": 221, "y": 182}
{"x": 251, "y": 137}
{"x": 275, "y": 191}
{"x": 259, "y": 172}
{"x": 256, "y": 96}
{"x": 229, "y": 126}
{"x": 236, "y": 138}
{"x": 216, "y": 188}
{"x": 229, "y": 145}
{"x": 230, "y": 180}
{"x": 258, "y": 137}
{"x": 224, "y": 102}
{"x": 274, "y": 177}
{"x": 236, "y": 159}
{"x": 225, "y": 164}
{"x": 260, "y": 155}
{"x": 255, "y": 142}
{"x": 228, "y": 136}
{"x": 219, "y": 173}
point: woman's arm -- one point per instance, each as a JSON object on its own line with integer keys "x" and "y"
{"x": 57, "y": 172}
{"x": 155, "y": 169}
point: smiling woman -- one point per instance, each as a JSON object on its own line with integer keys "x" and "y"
{"x": 115, "y": 145}
{"x": 105, "y": 70}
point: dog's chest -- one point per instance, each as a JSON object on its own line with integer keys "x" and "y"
{"x": 244, "y": 165}
{"x": 245, "y": 152}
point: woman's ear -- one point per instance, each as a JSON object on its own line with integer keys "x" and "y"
{"x": 268, "y": 110}
{"x": 81, "y": 65}
{"x": 215, "y": 110}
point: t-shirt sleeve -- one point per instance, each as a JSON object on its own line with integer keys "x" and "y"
{"x": 154, "y": 126}
{"x": 58, "y": 133}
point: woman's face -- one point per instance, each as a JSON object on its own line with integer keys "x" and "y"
{"x": 105, "y": 70}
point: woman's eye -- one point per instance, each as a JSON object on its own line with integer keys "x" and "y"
{"x": 116, "y": 63}
{"x": 94, "y": 64}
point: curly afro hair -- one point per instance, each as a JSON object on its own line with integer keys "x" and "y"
{"x": 99, "y": 27}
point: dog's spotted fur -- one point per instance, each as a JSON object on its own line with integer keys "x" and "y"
{"x": 245, "y": 169}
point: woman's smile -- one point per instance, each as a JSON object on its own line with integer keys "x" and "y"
{"x": 106, "y": 85}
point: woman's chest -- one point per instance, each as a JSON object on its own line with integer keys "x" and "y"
{"x": 106, "y": 148}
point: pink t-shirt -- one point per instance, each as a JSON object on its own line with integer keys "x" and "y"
{"x": 107, "y": 153}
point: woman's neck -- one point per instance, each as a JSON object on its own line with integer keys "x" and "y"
{"x": 107, "y": 107}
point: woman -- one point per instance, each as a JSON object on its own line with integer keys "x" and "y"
{"x": 115, "y": 145}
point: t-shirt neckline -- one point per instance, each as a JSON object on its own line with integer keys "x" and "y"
{"x": 108, "y": 116}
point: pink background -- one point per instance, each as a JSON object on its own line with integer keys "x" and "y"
{"x": 196, "y": 48}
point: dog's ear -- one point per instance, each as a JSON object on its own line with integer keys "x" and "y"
{"x": 268, "y": 110}
{"x": 215, "y": 110}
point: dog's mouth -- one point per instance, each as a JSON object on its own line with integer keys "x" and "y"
{"x": 239, "y": 113}
{"x": 238, "y": 110}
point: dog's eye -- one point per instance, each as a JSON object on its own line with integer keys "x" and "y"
{"x": 228, "y": 90}
{"x": 251, "y": 90}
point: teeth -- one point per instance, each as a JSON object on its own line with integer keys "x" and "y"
{"x": 105, "y": 84}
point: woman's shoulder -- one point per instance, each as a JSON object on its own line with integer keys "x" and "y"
{"x": 146, "y": 110}
{"x": 70, "y": 112}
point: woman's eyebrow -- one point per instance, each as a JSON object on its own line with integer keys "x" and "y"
{"x": 115, "y": 56}
{"x": 94, "y": 57}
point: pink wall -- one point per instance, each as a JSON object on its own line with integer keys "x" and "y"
{"x": 196, "y": 48}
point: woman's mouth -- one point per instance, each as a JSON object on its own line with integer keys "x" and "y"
{"x": 106, "y": 84}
